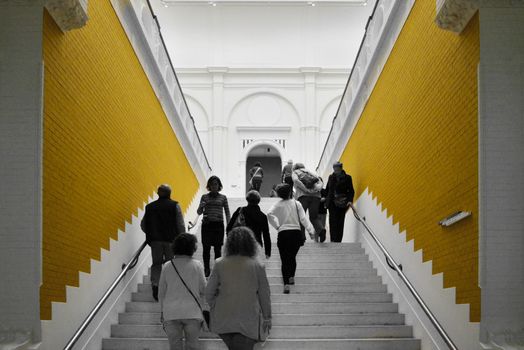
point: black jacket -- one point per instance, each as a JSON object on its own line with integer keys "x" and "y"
{"x": 256, "y": 220}
{"x": 341, "y": 184}
{"x": 162, "y": 221}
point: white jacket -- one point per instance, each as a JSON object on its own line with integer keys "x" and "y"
{"x": 287, "y": 214}
{"x": 301, "y": 189}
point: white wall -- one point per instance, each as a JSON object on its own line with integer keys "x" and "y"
{"x": 20, "y": 169}
{"x": 501, "y": 192}
{"x": 453, "y": 317}
{"x": 288, "y": 108}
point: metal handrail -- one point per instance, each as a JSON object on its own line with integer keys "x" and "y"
{"x": 104, "y": 298}
{"x": 176, "y": 79}
{"x": 408, "y": 284}
{"x": 348, "y": 81}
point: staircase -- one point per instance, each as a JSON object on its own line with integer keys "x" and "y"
{"x": 338, "y": 302}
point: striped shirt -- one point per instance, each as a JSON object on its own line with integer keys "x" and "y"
{"x": 211, "y": 205}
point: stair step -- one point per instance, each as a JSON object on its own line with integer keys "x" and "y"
{"x": 281, "y": 332}
{"x": 150, "y": 318}
{"x": 307, "y": 298}
{"x": 312, "y": 288}
{"x": 276, "y": 279}
{"x": 271, "y": 344}
{"x": 293, "y": 307}
{"x": 338, "y": 272}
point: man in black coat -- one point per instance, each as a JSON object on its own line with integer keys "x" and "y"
{"x": 340, "y": 193}
{"x": 162, "y": 222}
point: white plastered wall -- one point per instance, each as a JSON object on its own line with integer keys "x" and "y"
{"x": 441, "y": 301}
{"x": 68, "y": 316}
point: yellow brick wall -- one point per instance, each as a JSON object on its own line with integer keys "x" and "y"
{"x": 415, "y": 145}
{"x": 107, "y": 145}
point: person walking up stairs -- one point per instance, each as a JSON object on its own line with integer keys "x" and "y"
{"x": 338, "y": 302}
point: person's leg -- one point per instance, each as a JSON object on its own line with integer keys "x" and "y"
{"x": 294, "y": 247}
{"x": 341, "y": 220}
{"x": 314, "y": 206}
{"x": 218, "y": 251}
{"x": 157, "y": 254}
{"x": 228, "y": 339}
{"x": 206, "y": 255}
{"x": 174, "y": 331}
{"x": 191, "y": 332}
{"x": 332, "y": 224}
{"x": 284, "y": 256}
{"x": 322, "y": 220}
{"x": 167, "y": 251}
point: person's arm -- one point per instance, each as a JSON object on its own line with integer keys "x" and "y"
{"x": 180, "y": 225}
{"x": 351, "y": 190}
{"x": 144, "y": 225}
{"x": 264, "y": 293}
{"x": 232, "y": 221}
{"x": 211, "y": 291}
{"x": 304, "y": 219}
{"x": 202, "y": 205}
{"x": 266, "y": 237}
{"x": 329, "y": 194}
{"x": 226, "y": 210}
{"x": 273, "y": 220}
{"x": 201, "y": 281}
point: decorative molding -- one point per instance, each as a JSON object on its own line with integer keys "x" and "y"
{"x": 382, "y": 33}
{"x": 262, "y": 70}
{"x": 454, "y": 15}
{"x": 68, "y": 14}
{"x": 264, "y": 128}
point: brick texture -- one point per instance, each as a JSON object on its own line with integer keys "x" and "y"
{"x": 107, "y": 145}
{"x": 416, "y": 145}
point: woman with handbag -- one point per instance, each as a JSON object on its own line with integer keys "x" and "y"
{"x": 286, "y": 216}
{"x": 181, "y": 294}
{"x": 238, "y": 293}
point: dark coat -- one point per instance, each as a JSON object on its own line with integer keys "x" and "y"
{"x": 256, "y": 220}
{"x": 340, "y": 185}
{"x": 162, "y": 221}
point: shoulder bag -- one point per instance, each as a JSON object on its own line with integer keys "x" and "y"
{"x": 205, "y": 313}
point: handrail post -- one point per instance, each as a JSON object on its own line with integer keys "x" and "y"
{"x": 102, "y": 300}
{"x": 408, "y": 284}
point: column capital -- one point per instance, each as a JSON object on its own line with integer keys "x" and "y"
{"x": 68, "y": 14}
{"x": 454, "y": 15}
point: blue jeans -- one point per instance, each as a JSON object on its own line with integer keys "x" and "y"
{"x": 237, "y": 341}
{"x": 189, "y": 329}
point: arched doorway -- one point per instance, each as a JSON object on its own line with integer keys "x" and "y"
{"x": 271, "y": 162}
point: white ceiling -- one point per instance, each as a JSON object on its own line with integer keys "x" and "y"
{"x": 270, "y": 34}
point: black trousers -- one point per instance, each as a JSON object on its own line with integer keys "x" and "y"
{"x": 256, "y": 182}
{"x": 289, "y": 243}
{"x": 206, "y": 254}
{"x": 336, "y": 223}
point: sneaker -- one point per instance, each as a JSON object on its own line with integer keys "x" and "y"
{"x": 286, "y": 288}
{"x": 322, "y": 236}
{"x": 291, "y": 281}
{"x": 155, "y": 292}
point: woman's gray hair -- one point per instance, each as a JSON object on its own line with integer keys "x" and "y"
{"x": 241, "y": 241}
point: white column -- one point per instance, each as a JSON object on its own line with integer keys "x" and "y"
{"x": 217, "y": 124}
{"x": 21, "y": 106}
{"x": 501, "y": 170}
{"x": 309, "y": 130}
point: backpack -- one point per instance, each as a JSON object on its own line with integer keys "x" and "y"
{"x": 241, "y": 219}
{"x": 309, "y": 180}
